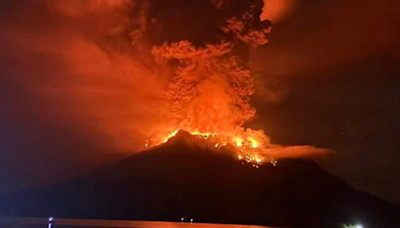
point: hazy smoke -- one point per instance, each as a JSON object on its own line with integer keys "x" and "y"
{"x": 277, "y": 10}
{"x": 85, "y": 58}
{"x": 127, "y": 70}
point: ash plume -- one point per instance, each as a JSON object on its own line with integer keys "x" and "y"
{"x": 132, "y": 70}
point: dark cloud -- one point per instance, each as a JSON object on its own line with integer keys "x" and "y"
{"x": 329, "y": 78}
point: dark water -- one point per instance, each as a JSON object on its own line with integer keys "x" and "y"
{"x": 86, "y": 223}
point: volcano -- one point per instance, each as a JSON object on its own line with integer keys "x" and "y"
{"x": 185, "y": 178}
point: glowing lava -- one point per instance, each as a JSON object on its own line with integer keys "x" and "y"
{"x": 210, "y": 85}
{"x": 249, "y": 150}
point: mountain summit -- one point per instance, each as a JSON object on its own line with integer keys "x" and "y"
{"x": 185, "y": 178}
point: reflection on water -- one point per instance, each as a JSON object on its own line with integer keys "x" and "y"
{"x": 25, "y": 222}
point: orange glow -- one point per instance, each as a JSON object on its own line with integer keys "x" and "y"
{"x": 248, "y": 149}
{"x": 209, "y": 88}
{"x": 209, "y": 96}
{"x": 277, "y": 10}
{"x": 254, "y": 143}
{"x": 170, "y": 136}
{"x": 238, "y": 142}
{"x": 140, "y": 94}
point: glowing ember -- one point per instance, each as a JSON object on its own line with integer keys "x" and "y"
{"x": 254, "y": 143}
{"x": 274, "y": 163}
{"x": 170, "y": 136}
{"x": 247, "y": 150}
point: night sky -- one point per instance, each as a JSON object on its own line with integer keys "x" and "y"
{"x": 329, "y": 77}
{"x": 332, "y": 76}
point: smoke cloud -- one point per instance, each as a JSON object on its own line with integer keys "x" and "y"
{"x": 74, "y": 55}
{"x": 277, "y": 10}
{"x": 111, "y": 74}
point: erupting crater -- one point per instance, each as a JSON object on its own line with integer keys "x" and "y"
{"x": 209, "y": 82}
{"x": 247, "y": 150}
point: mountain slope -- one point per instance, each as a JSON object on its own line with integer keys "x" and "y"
{"x": 184, "y": 178}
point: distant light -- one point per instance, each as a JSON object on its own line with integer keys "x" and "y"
{"x": 191, "y": 221}
{"x": 182, "y": 219}
{"x": 359, "y": 226}
{"x": 51, "y": 220}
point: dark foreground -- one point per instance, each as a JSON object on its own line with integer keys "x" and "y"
{"x": 185, "y": 179}
{"x": 17, "y": 222}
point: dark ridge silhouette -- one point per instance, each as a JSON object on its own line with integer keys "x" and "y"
{"x": 185, "y": 178}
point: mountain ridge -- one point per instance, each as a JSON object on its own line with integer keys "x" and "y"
{"x": 186, "y": 178}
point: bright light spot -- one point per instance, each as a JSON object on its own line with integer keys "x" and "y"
{"x": 51, "y": 219}
{"x": 254, "y": 143}
{"x": 248, "y": 148}
{"x": 238, "y": 142}
{"x": 203, "y": 134}
{"x": 170, "y": 136}
{"x": 274, "y": 162}
{"x": 352, "y": 226}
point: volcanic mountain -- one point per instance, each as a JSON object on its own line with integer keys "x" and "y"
{"x": 185, "y": 178}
